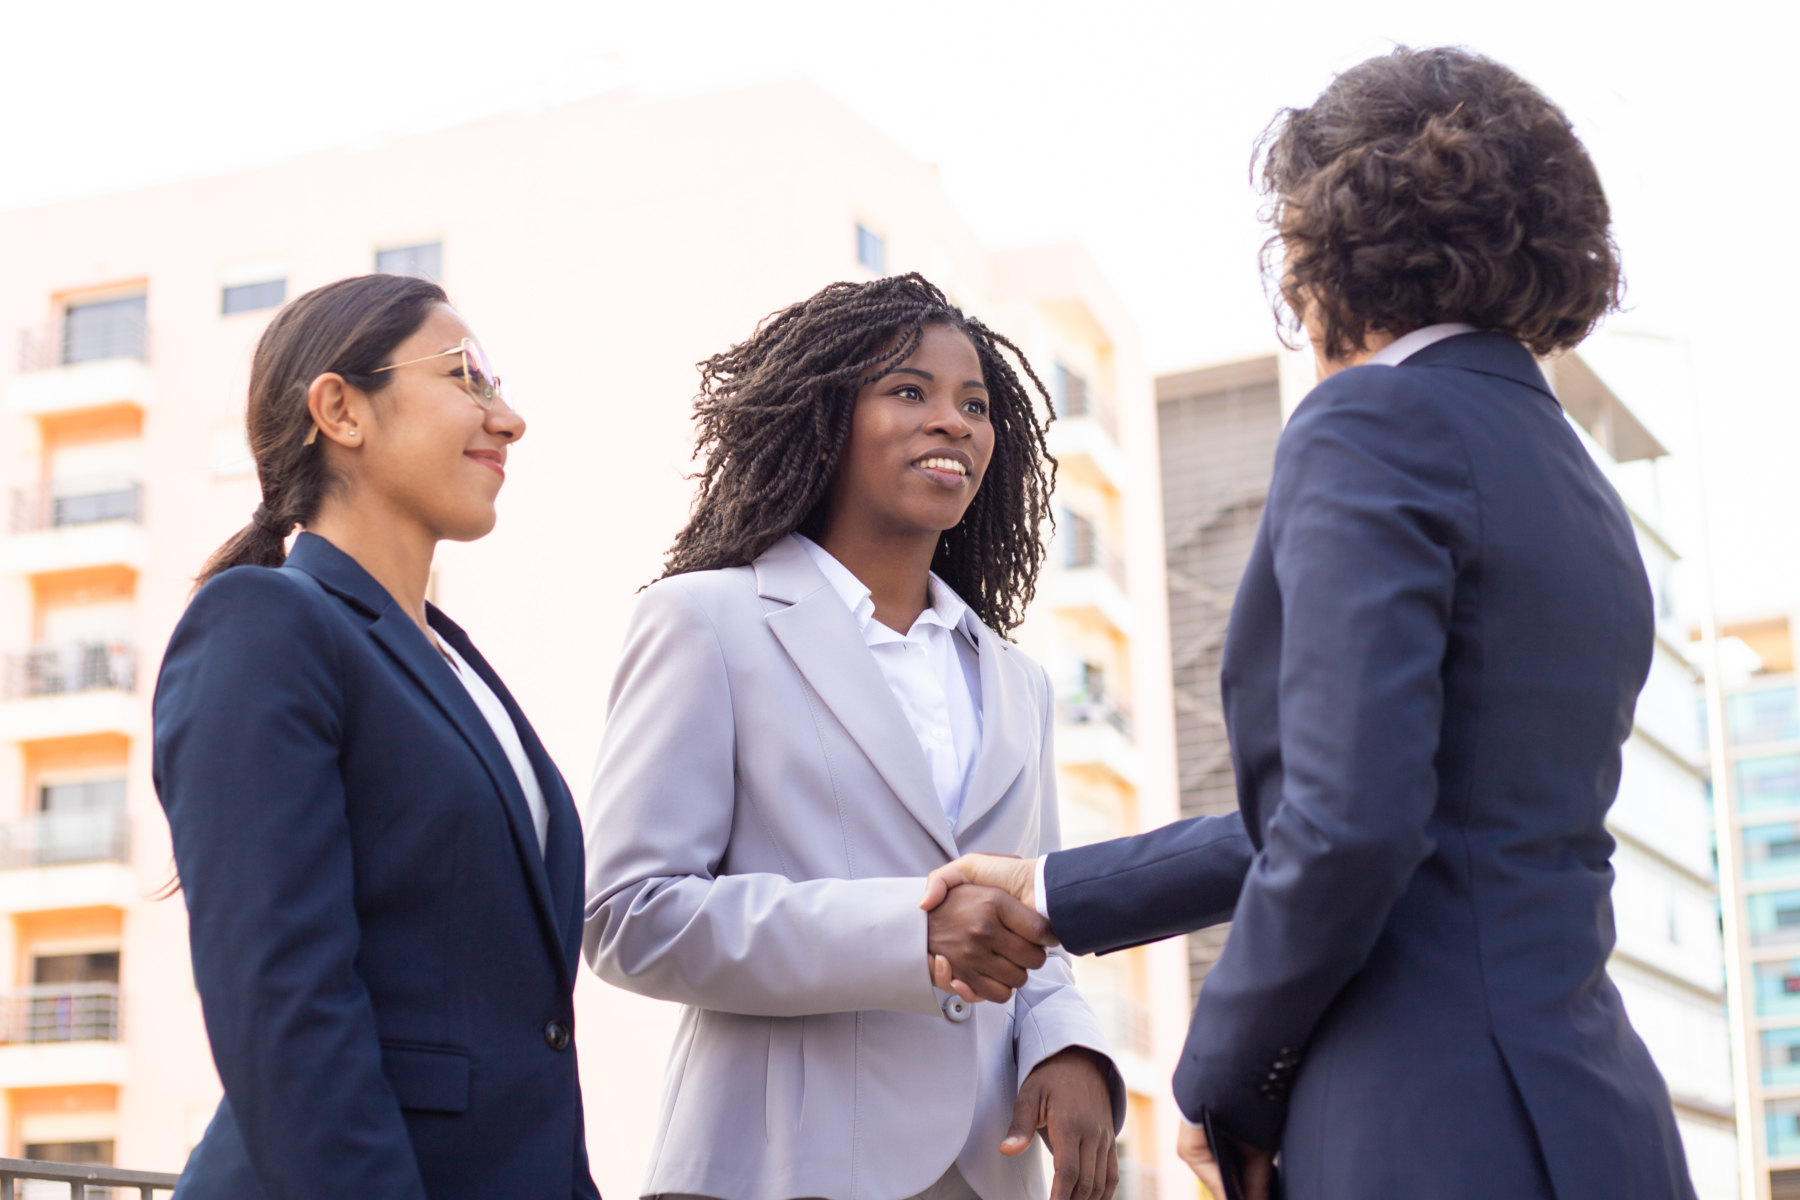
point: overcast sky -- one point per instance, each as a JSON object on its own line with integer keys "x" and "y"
{"x": 1127, "y": 125}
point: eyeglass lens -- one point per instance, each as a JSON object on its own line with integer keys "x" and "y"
{"x": 478, "y": 377}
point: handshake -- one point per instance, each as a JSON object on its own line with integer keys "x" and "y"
{"x": 983, "y": 931}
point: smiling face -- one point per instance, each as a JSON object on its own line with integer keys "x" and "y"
{"x": 920, "y": 442}
{"x": 427, "y": 451}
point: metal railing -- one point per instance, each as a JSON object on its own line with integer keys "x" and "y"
{"x": 65, "y": 343}
{"x": 53, "y": 839}
{"x": 1085, "y": 546}
{"x": 59, "y": 670}
{"x": 60, "y": 1012}
{"x": 79, "y": 502}
{"x": 1095, "y": 710}
{"x": 85, "y": 1182}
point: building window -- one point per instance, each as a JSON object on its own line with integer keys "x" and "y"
{"x": 871, "y": 249}
{"x": 1771, "y": 715}
{"x": 86, "y": 1154}
{"x": 248, "y": 297}
{"x": 104, "y": 329}
{"x": 1778, "y": 988}
{"x": 88, "y": 796}
{"x": 1772, "y": 851}
{"x": 1782, "y": 1124}
{"x": 1774, "y": 917}
{"x": 424, "y": 261}
{"x": 1768, "y": 783}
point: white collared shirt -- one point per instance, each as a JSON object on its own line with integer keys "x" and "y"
{"x": 500, "y": 721}
{"x": 932, "y": 670}
{"x": 1409, "y": 344}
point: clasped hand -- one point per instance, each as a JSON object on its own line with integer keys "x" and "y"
{"x": 983, "y": 933}
{"x": 983, "y": 939}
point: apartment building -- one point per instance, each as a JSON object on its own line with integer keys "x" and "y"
{"x": 1762, "y": 762}
{"x": 1219, "y": 428}
{"x": 600, "y": 249}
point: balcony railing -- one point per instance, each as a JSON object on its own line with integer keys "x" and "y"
{"x": 76, "y": 502}
{"x": 1094, "y": 710}
{"x": 60, "y": 1012}
{"x": 60, "y": 670}
{"x": 90, "y": 333}
{"x": 1085, "y": 546}
{"x": 85, "y": 1182}
{"x": 55, "y": 839}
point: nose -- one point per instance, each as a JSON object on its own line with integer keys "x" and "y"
{"x": 503, "y": 422}
{"x": 946, "y": 416}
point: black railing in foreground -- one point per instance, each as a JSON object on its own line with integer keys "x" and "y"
{"x": 60, "y": 504}
{"x": 81, "y": 1178}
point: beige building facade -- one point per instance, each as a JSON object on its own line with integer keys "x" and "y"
{"x": 600, "y": 250}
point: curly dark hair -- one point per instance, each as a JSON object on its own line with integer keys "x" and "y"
{"x": 1436, "y": 185}
{"x": 774, "y": 416}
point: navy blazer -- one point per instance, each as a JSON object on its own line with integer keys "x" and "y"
{"x": 1432, "y": 662}
{"x": 385, "y": 960}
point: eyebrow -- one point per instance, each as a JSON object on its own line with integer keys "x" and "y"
{"x": 928, "y": 377}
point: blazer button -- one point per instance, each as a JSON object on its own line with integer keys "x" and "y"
{"x": 557, "y": 1034}
{"x": 957, "y": 1009}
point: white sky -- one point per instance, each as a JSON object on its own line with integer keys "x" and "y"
{"x": 1126, "y": 124}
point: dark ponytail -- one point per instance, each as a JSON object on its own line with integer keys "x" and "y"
{"x": 349, "y": 327}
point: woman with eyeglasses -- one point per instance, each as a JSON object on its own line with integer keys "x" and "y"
{"x": 382, "y": 866}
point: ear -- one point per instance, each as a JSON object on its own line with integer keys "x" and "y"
{"x": 336, "y": 410}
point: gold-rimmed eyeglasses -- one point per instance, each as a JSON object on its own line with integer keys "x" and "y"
{"x": 477, "y": 374}
{"x": 478, "y": 378}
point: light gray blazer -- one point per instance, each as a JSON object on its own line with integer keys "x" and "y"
{"x": 758, "y": 831}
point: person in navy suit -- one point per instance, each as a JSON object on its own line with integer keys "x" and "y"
{"x": 383, "y": 868}
{"x": 1431, "y": 665}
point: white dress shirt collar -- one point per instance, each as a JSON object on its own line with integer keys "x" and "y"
{"x": 932, "y": 670}
{"x": 947, "y": 608}
{"x": 1409, "y": 344}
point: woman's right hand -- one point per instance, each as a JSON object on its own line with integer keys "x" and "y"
{"x": 982, "y": 943}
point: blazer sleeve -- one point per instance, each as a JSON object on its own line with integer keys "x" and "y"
{"x": 248, "y": 719}
{"x": 661, "y": 919}
{"x": 1049, "y": 1013}
{"x": 1114, "y": 895}
{"x": 1370, "y": 509}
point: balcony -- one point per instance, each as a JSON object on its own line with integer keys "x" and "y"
{"x": 1093, "y": 736}
{"x": 60, "y": 1012}
{"x": 1085, "y": 451}
{"x": 70, "y": 524}
{"x": 57, "y": 839}
{"x": 65, "y": 503}
{"x": 61, "y": 1035}
{"x": 95, "y": 357}
{"x": 65, "y": 691}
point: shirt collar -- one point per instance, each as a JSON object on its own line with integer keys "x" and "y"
{"x": 1407, "y": 345}
{"x": 947, "y": 608}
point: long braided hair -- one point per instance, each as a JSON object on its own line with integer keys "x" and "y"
{"x": 774, "y": 416}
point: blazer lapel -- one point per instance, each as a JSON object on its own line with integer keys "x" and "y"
{"x": 1007, "y": 715}
{"x": 821, "y": 636}
{"x": 403, "y": 639}
{"x": 395, "y": 631}
{"x": 561, "y": 861}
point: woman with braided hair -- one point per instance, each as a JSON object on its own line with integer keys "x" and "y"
{"x": 817, "y": 705}
{"x": 382, "y": 866}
